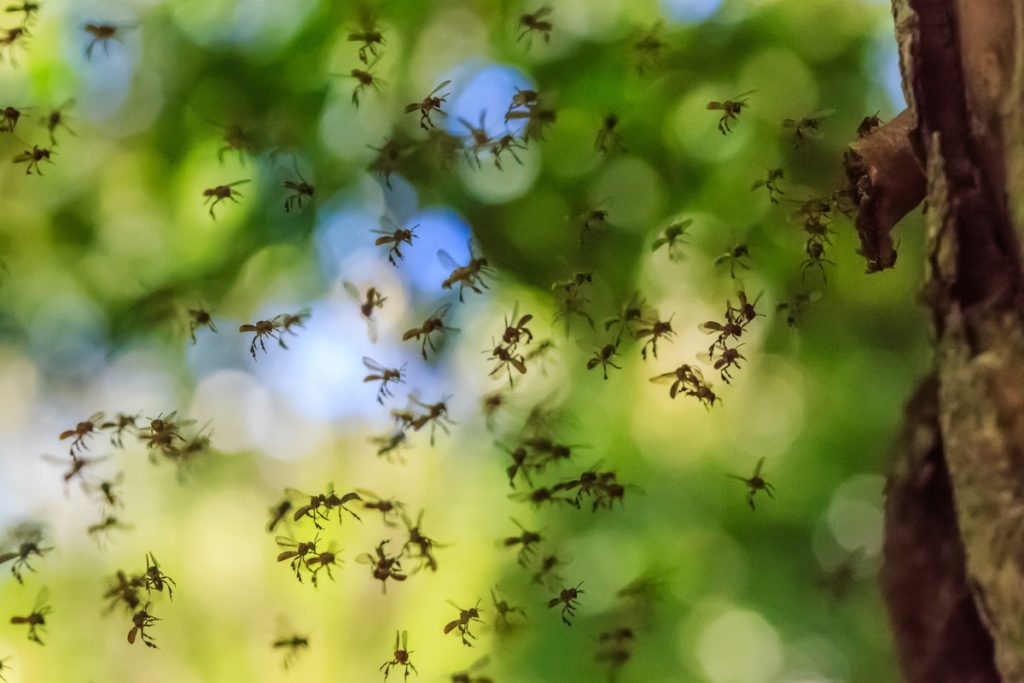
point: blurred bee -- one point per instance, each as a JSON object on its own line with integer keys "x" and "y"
{"x": 383, "y": 566}
{"x": 219, "y": 193}
{"x": 156, "y": 579}
{"x": 609, "y": 139}
{"x": 390, "y": 510}
{"x": 490, "y": 405}
{"x": 36, "y": 619}
{"x": 389, "y": 158}
{"x": 755, "y": 483}
{"x": 430, "y": 103}
{"x": 81, "y": 432}
{"x": 140, "y": 622}
{"x": 525, "y": 540}
{"x": 502, "y": 611}
{"x": 469, "y": 275}
{"x": 367, "y": 304}
{"x": 32, "y": 157}
{"x": 731, "y": 110}
{"x": 868, "y": 124}
{"x": 4, "y": 668}
{"x": 590, "y": 220}
{"x": 421, "y": 545}
{"x": 278, "y": 513}
{"x": 571, "y": 298}
{"x": 516, "y": 329}
{"x": 734, "y": 256}
{"x": 400, "y": 657}
{"x": 507, "y": 359}
{"x": 369, "y": 34}
{"x": 9, "y": 117}
{"x": 746, "y": 311}
{"x": 199, "y": 317}
{"x": 261, "y": 329}
{"x": 364, "y": 79}
{"x": 10, "y": 38}
{"x": 539, "y": 496}
{"x": 388, "y": 445}
{"x": 539, "y": 352}
{"x": 506, "y": 143}
{"x": 478, "y": 138}
{"x": 76, "y": 466}
{"x": 604, "y": 357}
{"x": 815, "y": 251}
{"x": 436, "y": 415}
{"x": 615, "y": 649}
{"x": 464, "y": 622}
{"x": 685, "y": 379}
{"x": 109, "y": 496}
{"x": 57, "y": 119}
{"x": 795, "y": 307}
{"x": 649, "y": 49}
{"x": 30, "y": 12}
{"x": 379, "y": 373}
{"x": 568, "y": 600}
{"x": 534, "y": 22}
{"x": 468, "y": 676}
{"x": 838, "y": 581}
{"x": 319, "y": 506}
{"x": 125, "y": 590}
{"x": 120, "y": 425}
{"x": 101, "y": 529}
{"x": 301, "y": 189}
{"x": 322, "y": 560}
{"x": 29, "y": 539}
{"x": 807, "y": 127}
{"x": 433, "y": 326}
{"x": 291, "y": 646}
{"x": 394, "y": 236}
{"x": 630, "y": 318}
{"x": 297, "y": 553}
{"x": 655, "y": 329}
{"x": 771, "y": 184}
{"x": 537, "y": 118}
{"x": 441, "y": 149}
{"x": 523, "y": 99}
{"x": 521, "y": 464}
{"x": 673, "y": 238}
{"x": 236, "y": 139}
{"x": 547, "y": 571}
{"x": 102, "y": 33}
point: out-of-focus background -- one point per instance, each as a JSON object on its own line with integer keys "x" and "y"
{"x": 105, "y": 252}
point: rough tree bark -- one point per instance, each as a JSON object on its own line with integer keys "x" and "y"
{"x": 954, "y": 552}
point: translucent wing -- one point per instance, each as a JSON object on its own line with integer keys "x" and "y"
{"x": 446, "y": 260}
{"x": 439, "y": 87}
{"x": 352, "y": 290}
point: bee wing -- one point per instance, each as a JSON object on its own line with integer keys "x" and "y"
{"x": 715, "y": 105}
{"x": 439, "y": 87}
{"x": 371, "y": 330}
{"x": 285, "y": 542}
{"x": 442, "y": 311}
{"x": 352, "y": 290}
{"x": 446, "y": 260}
{"x": 757, "y": 468}
{"x": 542, "y": 12}
{"x": 295, "y": 493}
{"x": 389, "y": 224}
{"x": 744, "y": 94}
{"x": 411, "y": 107}
{"x": 238, "y": 182}
{"x": 665, "y": 378}
{"x": 41, "y": 599}
{"x": 788, "y": 123}
{"x": 710, "y": 327}
{"x": 823, "y": 114}
{"x": 658, "y": 243}
{"x": 372, "y": 365}
{"x": 54, "y": 460}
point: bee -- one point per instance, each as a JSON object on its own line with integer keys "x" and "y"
{"x": 755, "y": 483}
{"x": 795, "y": 307}
{"x": 155, "y": 579}
{"x": 516, "y": 329}
{"x": 76, "y": 466}
{"x": 432, "y": 326}
{"x": 278, "y": 513}
{"x": 102, "y": 33}
{"x": 568, "y": 599}
{"x": 236, "y": 139}
{"x": 506, "y": 143}
{"x": 490, "y": 404}
{"x": 264, "y": 328}
{"x": 608, "y": 138}
{"x": 10, "y": 37}
{"x": 469, "y": 275}
{"x": 502, "y": 610}
{"x": 383, "y": 566}
{"x": 521, "y": 463}
{"x": 478, "y": 138}
{"x": 655, "y": 329}
{"x": 839, "y": 580}
{"x": 807, "y": 127}
{"x": 32, "y": 157}
{"x": 301, "y": 189}
{"x": 199, "y": 317}
{"x": 57, "y": 119}
{"x": 534, "y": 22}
{"x": 746, "y": 311}
{"x": 125, "y": 590}
{"x": 36, "y": 619}
{"x": 30, "y": 12}
{"x": 320, "y": 505}
{"x": 572, "y": 299}
{"x": 389, "y": 509}
{"x": 420, "y": 543}
{"x": 369, "y": 34}
{"x": 379, "y": 373}
{"x": 868, "y": 124}
{"x": 430, "y": 103}
{"x": 29, "y": 539}
{"x": 81, "y": 432}
{"x": 604, "y": 357}
{"x": 734, "y": 256}
{"x": 673, "y": 238}
{"x": 109, "y": 496}
{"x": 467, "y": 676}
{"x": 731, "y": 110}
{"x": 538, "y": 496}
{"x": 389, "y": 158}
{"x": 525, "y": 540}
{"x": 547, "y": 571}
{"x": 507, "y": 359}
{"x": 9, "y": 117}
{"x": 394, "y": 236}
{"x": 367, "y": 304}
{"x": 388, "y": 445}
{"x": 771, "y": 184}
{"x": 400, "y": 657}
{"x": 219, "y": 193}
{"x": 291, "y": 645}
{"x": 121, "y": 424}
{"x": 523, "y": 99}
{"x": 436, "y": 415}
{"x": 537, "y": 118}
{"x": 464, "y": 622}
{"x": 686, "y": 379}
{"x": 815, "y": 251}
{"x": 322, "y": 560}
{"x": 100, "y": 529}
{"x": 649, "y": 49}
{"x": 364, "y": 79}
{"x": 727, "y": 358}
{"x": 615, "y": 649}
{"x": 142, "y": 620}
{"x": 732, "y": 328}
{"x": 298, "y": 552}
{"x": 590, "y": 220}
{"x": 4, "y": 668}
{"x": 630, "y": 318}
{"x": 164, "y": 431}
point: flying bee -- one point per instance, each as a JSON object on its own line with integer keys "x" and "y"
{"x": 673, "y": 238}
{"x": 102, "y": 33}
{"x": 730, "y": 110}
{"x": 539, "y": 496}
{"x": 142, "y": 620}
{"x": 369, "y": 34}
{"x": 523, "y": 99}
{"x": 686, "y": 379}
{"x": 389, "y": 158}
{"x": 32, "y": 157}
{"x": 467, "y": 676}
{"x": 110, "y": 497}
{"x": 36, "y": 619}
{"x": 367, "y": 304}
{"x": 815, "y": 259}
{"x": 807, "y": 127}
{"x": 301, "y": 189}
{"x": 101, "y": 529}
{"x": 734, "y": 256}
{"x": 568, "y": 600}
{"x": 796, "y": 306}
{"x": 236, "y": 139}
{"x": 320, "y": 505}
{"x": 655, "y": 329}
{"x": 521, "y": 464}
{"x": 81, "y": 432}
{"x": 388, "y": 445}
{"x": 547, "y": 570}
{"x": 478, "y": 138}
{"x": 9, "y": 117}
{"x": 609, "y": 139}
{"x": 604, "y": 357}
{"x": 364, "y": 79}
{"x": 55, "y": 119}
{"x": 383, "y": 566}
{"x": 156, "y": 579}
{"x": 589, "y": 220}
{"x": 507, "y": 359}
{"x": 649, "y": 49}
{"x": 4, "y": 668}
{"x": 615, "y": 649}
{"x": 278, "y": 513}
{"x": 525, "y": 540}
{"x": 436, "y": 415}
{"x": 537, "y": 118}
{"x": 422, "y": 544}
{"x": 502, "y": 611}
{"x": 29, "y": 539}
{"x": 261, "y": 329}
{"x": 219, "y": 193}
{"x": 199, "y": 317}
{"x": 432, "y": 326}
{"x": 755, "y": 483}
{"x": 506, "y": 143}
{"x": 490, "y": 404}
{"x": 400, "y": 657}
{"x": 838, "y": 581}
{"x": 730, "y": 329}
{"x": 727, "y": 358}
{"x": 572, "y": 299}
{"x": 516, "y": 329}
{"x": 464, "y": 622}
{"x": 630, "y": 318}
{"x": 121, "y": 424}
{"x": 395, "y": 236}
{"x": 771, "y": 184}
{"x": 290, "y": 320}
{"x": 534, "y": 22}
{"x": 322, "y": 560}
{"x": 469, "y": 275}
{"x": 746, "y": 311}
{"x": 390, "y": 509}
{"x": 30, "y": 12}
{"x": 164, "y": 432}
{"x": 291, "y": 646}
{"x": 10, "y": 38}
{"x": 386, "y": 376}
{"x": 431, "y": 102}
{"x": 298, "y": 553}
{"x": 868, "y": 124}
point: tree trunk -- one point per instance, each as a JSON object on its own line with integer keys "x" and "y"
{"x": 954, "y": 552}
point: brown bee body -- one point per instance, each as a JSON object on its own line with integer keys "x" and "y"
{"x": 400, "y": 657}
{"x": 755, "y": 483}
{"x": 383, "y": 566}
{"x": 431, "y": 327}
{"x": 33, "y": 157}
{"x": 568, "y": 599}
{"x": 431, "y": 103}
{"x": 395, "y": 236}
{"x": 730, "y": 110}
{"x": 220, "y": 193}
{"x": 534, "y": 22}
{"x": 464, "y": 622}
